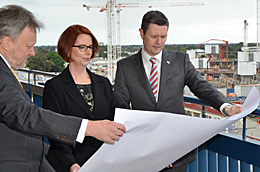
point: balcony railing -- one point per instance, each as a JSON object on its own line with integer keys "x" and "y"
{"x": 223, "y": 153}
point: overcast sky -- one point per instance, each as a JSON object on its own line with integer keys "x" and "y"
{"x": 221, "y": 19}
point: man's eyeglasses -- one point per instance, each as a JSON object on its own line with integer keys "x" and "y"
{"x": 84, "y": 48}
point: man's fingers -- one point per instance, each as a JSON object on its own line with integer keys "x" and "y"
{"x": 169, "y": 166}
{"x": 234, "y": 109}
{"x": 119, "y": 133}
{"x": 120, "y": 127}
{"x": 116, "y": 137}
{"x": 105, "y": 130}
{"x": 110, "y": 141}
{"x": 238, "y": 108}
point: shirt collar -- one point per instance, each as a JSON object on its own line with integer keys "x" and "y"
{"x": 146, "y": 56}
{"x": 6, "y": 62}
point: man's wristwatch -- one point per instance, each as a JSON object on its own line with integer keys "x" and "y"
{"x": 224, "y": 110}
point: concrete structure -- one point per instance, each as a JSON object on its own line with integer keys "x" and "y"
{"x": 211, "y": 49}
{"x": 199, "y": 63}
{"x": 243, "y": 90}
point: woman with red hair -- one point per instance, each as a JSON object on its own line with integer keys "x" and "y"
{"x": 78, "y": 92}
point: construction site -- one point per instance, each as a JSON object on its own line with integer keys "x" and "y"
{"x": 235, "y": 147}
{"x": 215, "y": 66}
{"x": 233, "y": 77}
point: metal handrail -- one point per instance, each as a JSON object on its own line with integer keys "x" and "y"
{"x": 189, "y": 99}
{"x": 37, "y": 72}
{"x": 211, "y": 154}
{"x": 193, "y": 99}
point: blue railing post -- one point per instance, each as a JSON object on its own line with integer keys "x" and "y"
{"x": 29, "y": 84}
{"x": 256, "y": 169}
{"x": 34, "y": 78}
{"x": 203, "y": 112}
{"x": 222, "y": 163}
{"x": 233, "y": 164}
{"x": 203, "y": 160}
{"x": 193, "y": 166}
{"x": 212, "y": 161}
{"x": 244, "y": 129}
{"x": 244, "y": 167}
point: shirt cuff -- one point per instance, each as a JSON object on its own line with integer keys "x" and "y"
{"x": 224, "y": 105}
{"x": 82, "y": 130}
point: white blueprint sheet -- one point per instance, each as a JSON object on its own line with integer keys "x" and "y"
{"x": 156, "y": 139}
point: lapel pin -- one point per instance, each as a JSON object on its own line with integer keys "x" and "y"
{"x": 168, "y": 62}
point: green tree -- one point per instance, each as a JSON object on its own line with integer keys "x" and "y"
{"x": 124, "y": 54}
{"x": 39, "y": 62}
{"x": 232, "y": 56}
{"x": 42, "y": 50}
{"x": 135, "y": 49}
{"x": 169, "y": 47}
{"x": 58, "y": 62}
{"x": 102, "y": 50}
{"x": 183, "y": 49}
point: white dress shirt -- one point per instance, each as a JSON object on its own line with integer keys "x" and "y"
{"x": 148, "y": 66}
{"x": 84, "y": 122}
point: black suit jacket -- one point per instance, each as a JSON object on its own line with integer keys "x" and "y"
{"x": 22, "y": 125}
{"x": 132, "y": 87}
{"x": 62, "y": 95}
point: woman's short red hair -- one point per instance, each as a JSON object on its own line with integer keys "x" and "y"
{"x": 68, "y": 39}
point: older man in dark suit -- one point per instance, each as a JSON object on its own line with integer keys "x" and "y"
{"x": 22, "y": 123}
{"x": 154, "y": 79}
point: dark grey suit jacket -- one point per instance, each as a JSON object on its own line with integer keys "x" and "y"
{"x": 132, "y": 87}
{"x": 23, "y": 124}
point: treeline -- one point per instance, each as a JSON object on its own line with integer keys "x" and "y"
{"x": 47, "y": 59}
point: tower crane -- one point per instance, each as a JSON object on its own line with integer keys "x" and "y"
{"x": 110, "y": 7}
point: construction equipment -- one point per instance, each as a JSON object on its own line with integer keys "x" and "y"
{"x": 220, "y": 56}
{"x": 110, "y": 7}
{"x": 150, "y": 5}
{"x": 211, "y": 56}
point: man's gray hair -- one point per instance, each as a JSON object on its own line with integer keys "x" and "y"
{"x": 14, "y": 18}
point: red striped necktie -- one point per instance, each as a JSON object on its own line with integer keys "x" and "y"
{"x": 154, "y": 77}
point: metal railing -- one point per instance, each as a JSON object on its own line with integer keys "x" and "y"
{"x": 222, "y": 153}
{"x": 226, "y": 152}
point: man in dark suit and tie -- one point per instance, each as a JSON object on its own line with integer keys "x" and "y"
{"x": 22, "y": 123}
{"x": 154, "y": 79}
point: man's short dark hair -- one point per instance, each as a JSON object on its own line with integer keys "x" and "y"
{"x": 155, "y": 17}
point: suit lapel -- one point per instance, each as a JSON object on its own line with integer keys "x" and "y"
{"x": 98, "y": 92}
{"x": 4, "y": 67}
{"x": 7, "y": 70}
{"x": 139, "y": 68}
{"x": 74, "y": 93}
{"x": 165, "y": 68}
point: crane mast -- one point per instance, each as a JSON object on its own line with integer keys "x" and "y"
{"x": 111, "y": 38}
{"x": 258, "y": 24}
{"x": 118, "y": 45}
